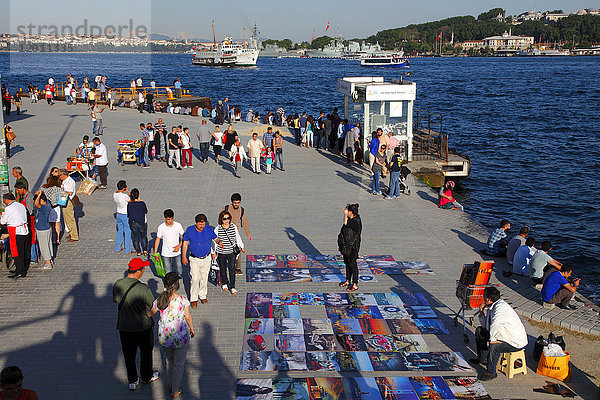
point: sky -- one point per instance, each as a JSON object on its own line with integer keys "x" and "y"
{"x": 275, "y": 18}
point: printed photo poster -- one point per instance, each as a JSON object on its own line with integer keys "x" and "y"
{"x": 436, "y": 361}
{"x": 322, "y": 361}
{"x": 259, "y": 325}
{"x": 256, "y": 361}
{"x": 416, "y": 268}
{"x": 290, "y": 389}
{"x": 347, "y": 326}
{"x": 467, "y": 389}
{"x": 257, "y": 342}
{"x": 322, "y": 388}
{"x": 288, "y": 326}
{"x": 396, "y": 388}
{"x": 336, "y": 299}
{"x": 316, "y": 342}
{"x": 431, "y": 326}
{"x": 259, "y": 305}
{"x": 402, "y": 326}
{"x": 286, "y": 311}
{"x": 289, "y": 361}
{"x": 388, "y": 361}
{"x": 431, "y": 387}
{"x": 254, "y": 389}
{"x": 311, "y": 299}
{"x": 319, "y": 326}
{"x": 361, "y": 389}
{"x": 289, "y": 343}
{"x": 350, "y": 343}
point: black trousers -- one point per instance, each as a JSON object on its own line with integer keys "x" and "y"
{"x": 21, "y": 260}
{"x": 103, "y": 172}
{"x": 130, "y": 342}
{"x": 227, "y": 269}
{"x": 321, "y": 139}
{"x": 351, "y": 267}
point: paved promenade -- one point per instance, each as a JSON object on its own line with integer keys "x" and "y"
{"x": 59, "y": 325}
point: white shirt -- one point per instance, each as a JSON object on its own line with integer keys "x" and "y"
{"x": 121, "y": 198}
{"x": 101, "y": 151}
{"x": 15, "y": 214}
{"x": 152, "y": 84}
{"x": 504, "y": 324}
{"x": 185, "y": 141}
{"x": 170, "y": 236}
{"x": 68, "y": 185}
{"x": 219, "y": 136}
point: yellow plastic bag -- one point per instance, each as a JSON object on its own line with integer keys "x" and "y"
{"x": 555, "y": 367}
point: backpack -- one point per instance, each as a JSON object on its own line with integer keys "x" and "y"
{"x": 241, "y": 216}
{"x": 346, "y": 240}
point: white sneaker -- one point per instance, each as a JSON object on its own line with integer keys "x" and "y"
{"x": 185, "y": 166}
{"x": 224, "y": 287}
{"x": 46, "y": 266}
{"x": 154, "y": 377}
{"x": 233, "y": 291}
{"x": 191, "y": 166}
{"x": 133, "y": 386}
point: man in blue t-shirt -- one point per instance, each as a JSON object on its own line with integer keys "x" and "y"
{"x": 558, "y": 289}
{"x": 198, "y": 239}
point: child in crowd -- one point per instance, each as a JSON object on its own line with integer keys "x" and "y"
{"x": 269, "y": 157}
{"x": 42, "y": 228}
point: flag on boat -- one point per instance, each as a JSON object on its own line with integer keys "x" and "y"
{"x": 439, "y": 37}
{"x": 326, "y": 29}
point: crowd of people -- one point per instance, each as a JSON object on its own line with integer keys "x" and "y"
{"x": 175, "y": 148}
{"x": 551, "y": 276}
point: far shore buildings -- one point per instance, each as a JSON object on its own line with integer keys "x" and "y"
{"x": 506, "y": 41}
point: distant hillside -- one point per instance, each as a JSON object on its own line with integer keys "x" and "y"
{"x": 584, "y": 29}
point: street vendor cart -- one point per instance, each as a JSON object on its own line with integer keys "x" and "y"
{"x": 129, "y": 151}
{"x": 78, "y": 165}
{"x": 474, "y": 278}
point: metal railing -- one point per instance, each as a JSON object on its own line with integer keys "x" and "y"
{"x": 429, "y": 141}
{"x": 159, "y": 92}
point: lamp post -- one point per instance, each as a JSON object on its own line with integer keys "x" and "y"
{"x": 3, "y": 155}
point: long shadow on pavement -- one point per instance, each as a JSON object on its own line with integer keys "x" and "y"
{"x": 216, "y": 380}
{"x": 301, "y": 241}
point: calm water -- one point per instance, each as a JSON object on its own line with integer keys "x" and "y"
{"x": 530, "y": 125}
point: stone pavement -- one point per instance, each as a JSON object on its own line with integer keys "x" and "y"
{"x": 59, "y": 325}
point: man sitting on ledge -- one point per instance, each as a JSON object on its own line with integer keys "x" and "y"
{"x": 558, "y": 289}
{"x": 501, "y": 332}
{"x": 539, "y": 263}
{"x": 496, "y": 243}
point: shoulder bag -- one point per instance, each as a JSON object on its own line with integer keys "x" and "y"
{"x": 236, "y": 248}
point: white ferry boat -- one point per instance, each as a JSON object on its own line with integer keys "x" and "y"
{"x": 384, "y": 60}
{"x": 227, "y": 54}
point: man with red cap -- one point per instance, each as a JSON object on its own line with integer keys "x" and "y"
{"x": 135, "y": 326}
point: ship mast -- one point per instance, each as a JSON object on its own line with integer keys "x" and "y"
{"x": 214, "y": 36}
{"x": 244, "y": 37}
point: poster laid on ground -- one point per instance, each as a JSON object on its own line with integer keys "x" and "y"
{"x": 361, "y": 388}
{"x": 326, "y": 268}
{"x": 361, "y": 332}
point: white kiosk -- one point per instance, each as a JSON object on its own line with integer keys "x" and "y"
{"x": 378, "y": 104}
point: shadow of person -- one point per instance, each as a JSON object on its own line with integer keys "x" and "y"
{"x": 301, "y": 241}
{"x": 216, "y": 379}
{"x": 476, "y": 244}
{"x": 353, "y": 179}
{"x": 80, "y": 331}
{"x": 427, "y": 196}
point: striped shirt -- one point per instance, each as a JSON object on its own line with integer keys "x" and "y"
{"x": 228, "y": 237}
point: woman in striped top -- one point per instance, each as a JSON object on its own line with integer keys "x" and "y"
{"x": 230, "y": 237}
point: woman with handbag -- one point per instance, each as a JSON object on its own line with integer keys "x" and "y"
{"x": 229, "y": 235}
{"x": 53, "y": 192}
{"x": 175, "y": 329}
{"x": 9, "y": 138}
{"x": 349, "y": 245}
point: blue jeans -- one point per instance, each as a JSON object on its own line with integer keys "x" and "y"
{"x": 146, "y": 156}
{"x": 394, "y": 184}
{"x": 123, "y": 232}
{"x": 375, "y": 184}
{"x": 203, "y": 151}
{"x": 278, "y": 160}
{"x": 173, "y": 264}
{"x": 139, "y": 236}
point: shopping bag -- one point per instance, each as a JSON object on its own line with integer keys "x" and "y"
{"x": 214, "y": 276}
{"x": 158, "y": 265}
{"x": 87, "y": 186}
{"x": 555, "y": 367}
